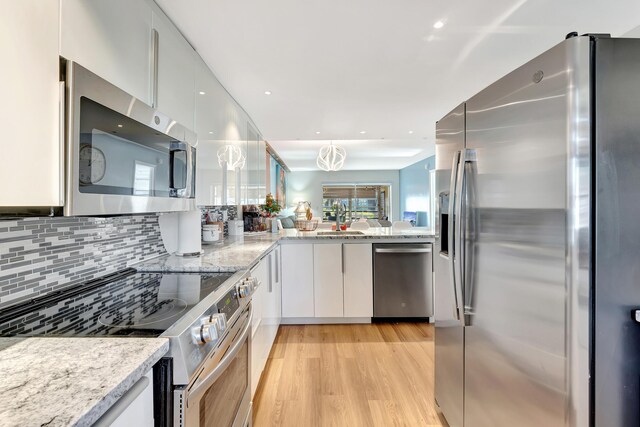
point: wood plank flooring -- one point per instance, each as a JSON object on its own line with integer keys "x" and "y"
{"x": 349, "y": 375}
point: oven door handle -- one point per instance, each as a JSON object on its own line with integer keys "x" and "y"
{"x": 207, "y": 381}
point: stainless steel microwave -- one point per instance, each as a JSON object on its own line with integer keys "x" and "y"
{"x": 123, "y": 156}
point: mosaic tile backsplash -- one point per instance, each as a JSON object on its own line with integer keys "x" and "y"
{"x": 38, "y": 255}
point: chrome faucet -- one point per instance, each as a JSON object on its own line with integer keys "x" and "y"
{"x": 338, "y": 211}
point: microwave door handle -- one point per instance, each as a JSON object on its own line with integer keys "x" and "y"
{"x": 173, "y": 149}
{"x": 206, "y": 382}
{"x": 452, "y": 249}
{"x": 191, "y": 168}
{"x": 172, "y": 160}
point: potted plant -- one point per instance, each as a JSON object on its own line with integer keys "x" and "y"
{"x": 270, "y": 209}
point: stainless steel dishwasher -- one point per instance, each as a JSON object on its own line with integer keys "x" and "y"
{"x": 402, "y": 281}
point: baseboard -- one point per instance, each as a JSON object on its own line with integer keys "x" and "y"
{"x": 323, "y": 320}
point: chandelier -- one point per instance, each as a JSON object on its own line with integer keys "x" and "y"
{"x": 231, "y": 157}
{"x": 331, "y": 157}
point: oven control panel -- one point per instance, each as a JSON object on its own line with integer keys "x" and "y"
{"x": 228, "y": 304}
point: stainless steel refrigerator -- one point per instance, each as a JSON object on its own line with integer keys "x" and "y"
{"x": 537, "y": 257}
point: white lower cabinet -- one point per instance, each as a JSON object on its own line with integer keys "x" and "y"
{"x": 273, "y": 300}
{"x": 327, "y": 281}
{"x": 258, "y": 331}
{"x": 297, "y": 280}
{"x": 358, "y": 279}
{"x": 266, "y": 303}
{"x": 134, "y": 408}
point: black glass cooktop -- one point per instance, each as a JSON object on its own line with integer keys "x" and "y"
{"x": 122, "y": 304}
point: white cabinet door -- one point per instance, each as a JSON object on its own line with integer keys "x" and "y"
{"x": 30, "y": 107}
{"x": 358, "y": 280}
{"x": 262, "y": 170}
{"x": 176, "y": 72}
{"x": 135, "y": 407}
{"x": 327, "y": 280}
{"x": 297, "y": 280}
{"x": 274, "y": 306}
{"x": 260, "y": 345}
{"x": 277, "y": 280}
{"x": 210, "y": 188}
{"x": 110, "y": 38}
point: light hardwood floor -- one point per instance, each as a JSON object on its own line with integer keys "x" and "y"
{"x": 349, "y": 375}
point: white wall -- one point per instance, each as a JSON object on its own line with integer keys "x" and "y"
{"x": 307, "y": 186}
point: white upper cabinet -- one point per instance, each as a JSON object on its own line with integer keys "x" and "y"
{"x": 30, "y": 107}
{"x": 110, "y": 38}
{"x": 262, "y": 171}
{"x": 176, "y": 72}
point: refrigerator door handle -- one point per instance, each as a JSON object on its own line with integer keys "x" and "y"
{"x": 458, "y": 259}
{"x": 467, "y": 156}
{"x": 453, "y": 249}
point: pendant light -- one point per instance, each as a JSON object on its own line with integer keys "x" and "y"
{"x": 331, "y": 157}
{"x": 232, "y": 156}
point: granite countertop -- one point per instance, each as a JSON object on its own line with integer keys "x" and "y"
{"x": 234, "y": 254}
{"x": 385, "y": 233}
{"x": 70, "y": 381}
{"x": 243, "y": 252}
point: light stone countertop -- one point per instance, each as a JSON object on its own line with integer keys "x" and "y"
{"x": 70, "y": 381}
{"x": 234, "y": 254}
{"x": 243, "y": 252}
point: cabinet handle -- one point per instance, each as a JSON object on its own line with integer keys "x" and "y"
{"x": 121, "y": 405}
{"x": 342, "y": 258}
{"x": 277, "y": 267}
{"x": 62, "y": 115}
{"x": 270, "y": 276}
{"x": 155, "y": 51}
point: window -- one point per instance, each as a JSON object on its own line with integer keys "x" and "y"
{"x": 357, "y": 201}
{"x": 143, "y": 179}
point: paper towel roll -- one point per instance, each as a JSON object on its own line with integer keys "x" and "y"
{"x": 189, "y": 233}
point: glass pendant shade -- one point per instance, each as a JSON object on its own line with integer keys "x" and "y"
{"x": 331, "y": 157}
{"x": 232, "y": 156}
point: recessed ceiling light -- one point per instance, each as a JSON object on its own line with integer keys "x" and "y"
{"x": 210, "y": 132}
{"x": 438, "y": 25}
{"x": 202, "y": 92}
{"x": 317, "y": 132}
{"x": 410, "y": 132}
{"x": 119, "y": 126}
{"x": 362, "y": 132}
{"x": 267, "y": 92}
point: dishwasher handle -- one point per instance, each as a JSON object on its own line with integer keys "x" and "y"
{"x": 403, "y": 250}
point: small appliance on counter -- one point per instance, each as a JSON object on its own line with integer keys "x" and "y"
{"x": 236, "y": 227}
{"x": 210, "y": 233}
{"x": 253, "y": 219}
{"x": 180, "y": 232}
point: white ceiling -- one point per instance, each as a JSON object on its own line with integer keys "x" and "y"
{"x": 341, "y": 67}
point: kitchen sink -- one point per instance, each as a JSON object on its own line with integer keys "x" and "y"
{"x": 340, "y": 233}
